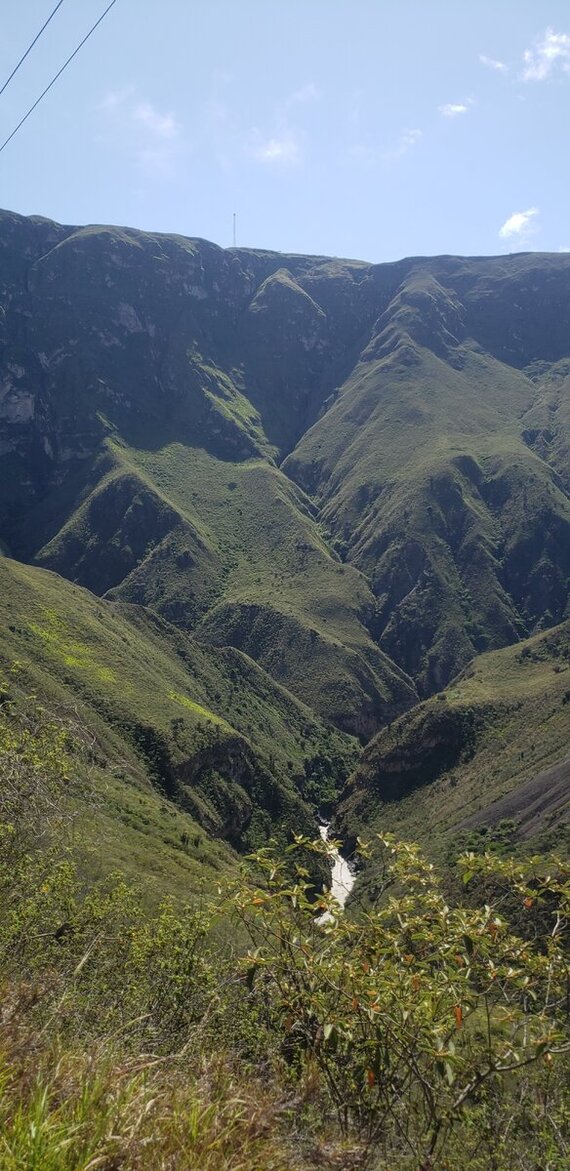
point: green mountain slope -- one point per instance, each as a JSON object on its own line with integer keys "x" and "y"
{"x": 494, "y": 748}
{"x": 442, "y": 464}
{"x": 187, "y": 742}
{"x": 160, "y": 394}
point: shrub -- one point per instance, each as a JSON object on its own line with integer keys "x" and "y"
{"x": 419, "y": 1036}
{"x": 418, "y": 1013}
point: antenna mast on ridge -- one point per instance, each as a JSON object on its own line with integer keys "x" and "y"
{"x": 235, "y": 218}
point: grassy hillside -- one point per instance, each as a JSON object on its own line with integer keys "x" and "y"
{"x": 486, "y": 759}
{"x": 177, "y": 531}
{"x": 191, "y": 747}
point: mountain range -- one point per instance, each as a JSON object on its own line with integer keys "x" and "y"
{"x": 270, "y": 522}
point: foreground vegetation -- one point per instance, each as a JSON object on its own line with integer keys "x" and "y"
{"x": 241, "y": 1033}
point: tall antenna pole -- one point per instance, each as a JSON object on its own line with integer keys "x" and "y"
{"x": 235, "y": 217}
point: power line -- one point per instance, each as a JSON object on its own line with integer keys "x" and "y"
{"x": 58, "y": 74}
{"x": 30, "y": 47}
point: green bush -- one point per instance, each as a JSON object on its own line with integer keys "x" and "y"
{"x": 252, "y": 1032}
{"x": 415, "y": 1018}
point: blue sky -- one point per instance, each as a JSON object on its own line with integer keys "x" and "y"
{"x": 372, "y": 129}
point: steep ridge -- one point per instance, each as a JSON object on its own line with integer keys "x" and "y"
{"x": 429, "y": 471}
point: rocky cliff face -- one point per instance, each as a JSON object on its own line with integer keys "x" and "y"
{"x": 373, "y": 461}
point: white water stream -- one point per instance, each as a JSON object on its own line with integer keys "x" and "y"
{"x": 342, "y": 878}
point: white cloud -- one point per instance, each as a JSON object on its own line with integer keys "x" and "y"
{"x": 520, "y": 224}
{"x": 409, "y": 138}
{"x": 306, "y": 93}
{"x": 283, "y": 149}
{"x": 369, "y": 156}
{"x": 553, "y": 49}
{"x": 284, "y": 146}
{"x": 161, "y": 126}
{"x": 454, "y": 109}
{"x": 115, "y": 98}
{"x": 564, "y": 248}
{"x": 492, "y": 63}
{"x": 122, "y": 110}
{"x": 151, "y": 137}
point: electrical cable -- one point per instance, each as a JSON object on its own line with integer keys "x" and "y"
{"x": 30, "y": 47}
{"x": 58, "y": 74}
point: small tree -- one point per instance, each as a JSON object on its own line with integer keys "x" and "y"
{"x": 410, "y": 1012}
